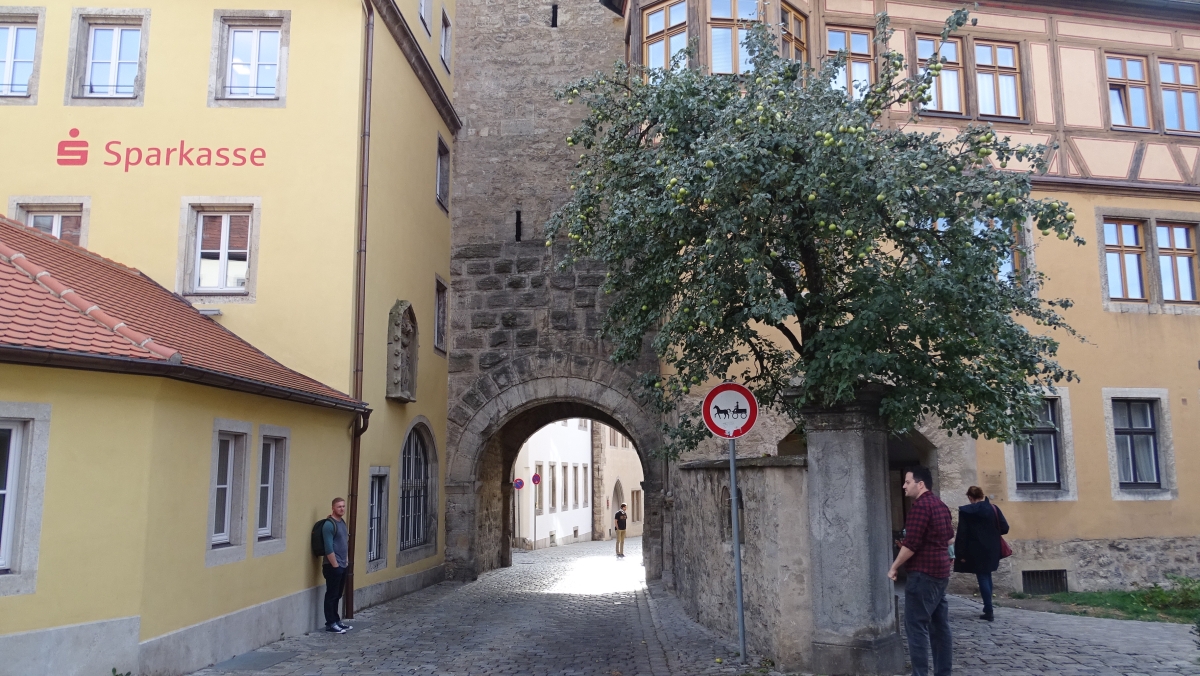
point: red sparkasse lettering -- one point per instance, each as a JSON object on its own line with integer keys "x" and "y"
{"x": 153, "y": 154}
{"x": 239, "y": 154}
{"x": 169, "y": 151}
{"x": 204, "y": 157}
{"x": 185, "y": 155}
{"x": 256, "y": 155}
{"x": 129, "y": 153}
{"x": 222, "y": 156}
{"x": 116, "y": 155}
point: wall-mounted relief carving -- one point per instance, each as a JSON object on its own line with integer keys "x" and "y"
{"x": 402, "y": 353}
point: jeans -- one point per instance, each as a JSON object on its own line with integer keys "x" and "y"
{"x": 335, "y": 583}
{"x": 985, "y": 590}
{"x": 927, "y": 623}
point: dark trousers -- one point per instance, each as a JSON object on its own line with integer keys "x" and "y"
{"x": 985, "y": 590}
{"x": 927, "y": 622}
{"x": 335, "y": 583}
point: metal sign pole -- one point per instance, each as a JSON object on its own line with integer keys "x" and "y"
{"x": 737, "y": 547}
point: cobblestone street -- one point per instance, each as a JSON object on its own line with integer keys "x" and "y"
{"x": 576, "y": 610}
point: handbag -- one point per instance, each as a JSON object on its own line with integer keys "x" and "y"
{"x": 1005, "y": 550}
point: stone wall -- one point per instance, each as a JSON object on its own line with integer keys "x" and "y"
{"x": 1096, "y": 565}
{"x": 775, "y": 567}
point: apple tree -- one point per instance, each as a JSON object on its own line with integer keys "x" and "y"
{"x": 784, "y": 229}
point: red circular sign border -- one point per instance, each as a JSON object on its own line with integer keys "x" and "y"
{"x": 707, "y": 410}
{"x": 519, "y": 484}
{"x": 537, "y": 479}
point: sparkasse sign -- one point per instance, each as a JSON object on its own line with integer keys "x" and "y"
{"x": 77, "y": 153}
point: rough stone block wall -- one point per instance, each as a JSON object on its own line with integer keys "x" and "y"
{"x": 775, "y": 567}
{"x": 1097, "y": 565}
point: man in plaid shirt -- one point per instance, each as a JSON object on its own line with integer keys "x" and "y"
{"x": 927, "y": 538}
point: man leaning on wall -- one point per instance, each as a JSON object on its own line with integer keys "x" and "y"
{"x": 333, "y": 568}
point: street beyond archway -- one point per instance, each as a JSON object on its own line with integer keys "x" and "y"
{"x": 577, "y": 610}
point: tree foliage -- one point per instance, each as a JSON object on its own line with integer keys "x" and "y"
{"x": 772, "y": 228}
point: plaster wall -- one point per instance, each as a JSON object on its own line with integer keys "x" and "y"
{"x": 556, "y": 446}
{"x": 621, "y": 464}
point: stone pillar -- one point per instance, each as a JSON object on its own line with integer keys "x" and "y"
{"x": 460, "y": 525}
{"x": 652, "y": 531}
{"x": 854, "y": 618}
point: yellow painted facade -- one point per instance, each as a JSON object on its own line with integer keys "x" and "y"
{"x": 300, "y": 181}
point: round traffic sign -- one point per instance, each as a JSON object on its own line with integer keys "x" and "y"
{"x": 537, "y": 479}
{"x": 730, "y": 410}
{"x": 518, "y": 484}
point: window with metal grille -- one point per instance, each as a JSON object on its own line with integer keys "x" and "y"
{"x": 376, "y": 505}
{"x": 414, "y": 492}
{"x": 1043, "y": 581}
{"x": 1137, "y": 443}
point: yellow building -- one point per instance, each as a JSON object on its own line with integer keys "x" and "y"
{"x": 283, "y": 167}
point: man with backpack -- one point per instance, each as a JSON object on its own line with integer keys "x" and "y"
{"x": 329, "y": 541}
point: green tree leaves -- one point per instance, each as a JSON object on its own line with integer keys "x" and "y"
{"x": 774, "y": 228}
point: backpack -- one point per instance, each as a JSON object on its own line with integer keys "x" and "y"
{"x": 318, "y": 538}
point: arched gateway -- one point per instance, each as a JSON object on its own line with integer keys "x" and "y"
{"x": 495, "y": 416}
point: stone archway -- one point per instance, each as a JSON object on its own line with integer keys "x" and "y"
{"x": 498, "y": 413}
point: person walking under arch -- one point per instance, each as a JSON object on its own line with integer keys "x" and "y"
{"x": 977, "y": 546}
{"x": 620, "y": 518}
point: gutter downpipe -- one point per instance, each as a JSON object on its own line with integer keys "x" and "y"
{"x": 361, "y": 421}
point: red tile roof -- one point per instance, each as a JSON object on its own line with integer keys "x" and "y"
{"x": 63, "y": 305}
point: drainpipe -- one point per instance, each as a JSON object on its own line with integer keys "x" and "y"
{"x": 360, "y": 298}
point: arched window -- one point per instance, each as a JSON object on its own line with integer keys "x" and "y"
{"x": 414, "y": 492}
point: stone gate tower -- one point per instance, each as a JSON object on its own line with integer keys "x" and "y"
{"x": 524, "y": 335}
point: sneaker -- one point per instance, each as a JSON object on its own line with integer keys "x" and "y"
{"x": 335, "y": 629}
{"x": 345, "y": 626}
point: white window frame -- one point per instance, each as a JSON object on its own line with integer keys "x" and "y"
{"x": 274, "y": 539}
{"x": 267, "y": 457}
{"x": 115, "y": 62}
{"x": 442, "y": 180}
{"x": 586, "y": 485}
{"x": 227, "y": 444}
{"x": 225, "y": 22}
{"x": 223, "y": 253}
{"x": 26, "y": 488}
{"x": 23, "y": 17}
{"x": 423, "y": 11}
{"x": 229, "y": 546}
{"x": 8, "y": 58}
{"x": 381, "y": 508}
{"x": 9, "y": 491}
{"x": 1167, "y": 488}
{"x": 444, "y": 46}
{"x": 23, "y": 208}
{"x": 254, "y": 86}
{"x": 441, "y": 301}
{"x": 83, "y": 23}
{"x": 187, "y": 273}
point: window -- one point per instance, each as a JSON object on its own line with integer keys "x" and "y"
{"x": 946, "y": 90}
{"x": 377, "y": 508}
{"x": 1123, "y": 249}
{"x": 443, "y": 174}
{"x": 537, "y": 492}
{"x": 266, "y": 487}
{"x": 624, "y": 441}
{"x": 425, "y": 11}
{"x": 728, "y": 33}
{"x": 1137, "y": 443}
{"x": 1128, "y": 101}
{"x": 228, "y": 497}
{"x": 553, "y": 487}
{"x": 635, "y": 498}
{"x": 1177, "y": 261}
{"x": 414, "y": 492}
{"x": 223, "y": 253}
{"x": 1180, "y": 95}
{"x": 566, "y": 486}
{"x": 65, "y": 226}
{"x": 253, "y": 63}
{"x": 575, "y": 483}
{"x": 1037, "y": 459}
{"x": 583, "y": 423}
{"x": 445, "y": 46}
{"x": 17, "y": 44}
{"x": 793, "y": 30}
{"x": 585, "y": 485}
{"x": 112, "y": 60}
{"x": 998, "y": 77}
{"x": 665, "y": 30}
{"x": 439, "y": 320}
{"x": 857, "y": 45}
{"x": 612, "y": 437}
{"x": 10, "y": 453}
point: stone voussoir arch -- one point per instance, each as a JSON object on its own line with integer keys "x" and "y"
{"x": 490, "y": 420}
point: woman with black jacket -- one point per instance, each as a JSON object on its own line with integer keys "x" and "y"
{"x": 977, "y": 543}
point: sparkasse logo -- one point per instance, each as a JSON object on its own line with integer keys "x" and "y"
{"x": 75, "y": 153}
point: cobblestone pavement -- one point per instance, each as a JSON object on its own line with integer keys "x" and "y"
{"x": 575, "y": 610}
